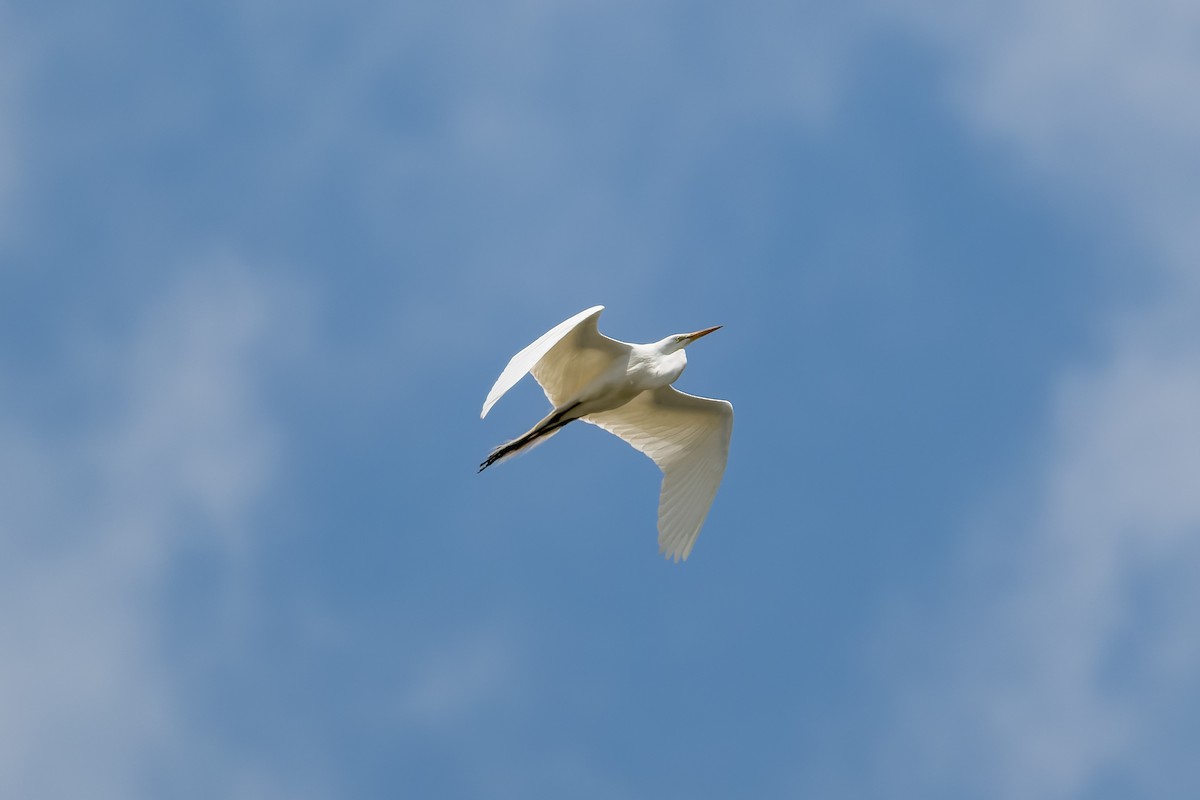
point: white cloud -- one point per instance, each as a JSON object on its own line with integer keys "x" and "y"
{"x": 11, "y": 76}
{"x": 527, "y": 118}
{"x": 1073, "y": 637}
{"x": 1046, "y": 680}
{"x": 1098, "y": 93}
{"x": 174, "y": 448}
{"x": 1066, "y": 667}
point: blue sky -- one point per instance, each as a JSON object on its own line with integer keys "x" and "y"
{"x": 260, "y": 263}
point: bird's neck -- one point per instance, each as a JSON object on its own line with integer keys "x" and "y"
{"x": 662, "y": 368}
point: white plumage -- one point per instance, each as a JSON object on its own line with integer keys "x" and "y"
{"x": 626, "y": 390}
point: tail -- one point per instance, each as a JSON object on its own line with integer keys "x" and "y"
{"x": 535, "y": 436}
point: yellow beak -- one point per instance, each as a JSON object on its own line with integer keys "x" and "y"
{"x": 691, "y": 337}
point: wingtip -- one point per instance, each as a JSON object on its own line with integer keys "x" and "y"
{"x": 673, "y": 555}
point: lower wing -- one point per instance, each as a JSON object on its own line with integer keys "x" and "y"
{"x": 688, "y": 438}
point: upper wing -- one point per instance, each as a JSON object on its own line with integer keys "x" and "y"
{"x": 563, "y": 359}
{"x": 688, "y": 438}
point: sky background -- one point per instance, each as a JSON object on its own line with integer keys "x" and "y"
{"x": 261, "y": 261}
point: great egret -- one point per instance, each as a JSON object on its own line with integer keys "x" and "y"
{"x": 626, "y": 390}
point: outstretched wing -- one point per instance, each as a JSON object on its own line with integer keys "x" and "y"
{"x": 563, "y": 359}
{"x": 688, "y": 438}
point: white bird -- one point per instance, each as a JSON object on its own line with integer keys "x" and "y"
{"x": 626, "y": 390}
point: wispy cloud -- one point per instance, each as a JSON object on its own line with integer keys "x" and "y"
{"x": 12, "y": 68}
{"x": 525, "y": 128}
{"x": 174, "y": 450}
{"x": 1071, "y": 638}
{"x": 1055, "y": 677}
{"x": 1097, "y": 93}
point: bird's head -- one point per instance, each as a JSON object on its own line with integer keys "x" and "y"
{"x": 682, "y": 340}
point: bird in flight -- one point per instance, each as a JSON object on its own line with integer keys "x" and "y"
{"x": 626, "y": 390}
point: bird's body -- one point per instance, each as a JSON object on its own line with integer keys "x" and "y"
{"x": 626, "y": 390}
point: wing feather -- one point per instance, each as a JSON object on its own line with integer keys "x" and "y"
{"x": 562, "y": 360}
{"x": 688, "y": 438}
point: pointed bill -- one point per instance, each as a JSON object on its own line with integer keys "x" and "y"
{"x": 691, "y": 337}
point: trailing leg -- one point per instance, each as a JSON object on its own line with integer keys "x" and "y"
{"x": 539, "y": 433}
